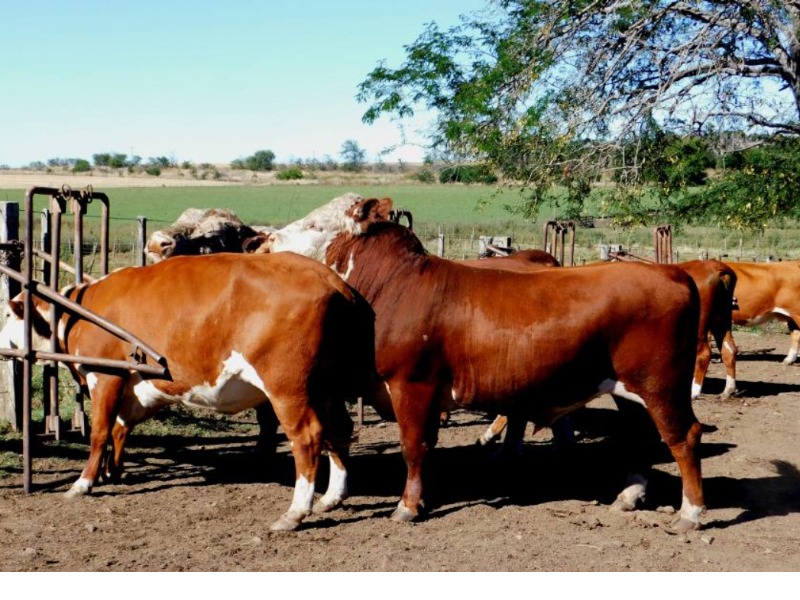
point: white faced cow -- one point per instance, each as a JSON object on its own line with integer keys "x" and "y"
{"x": 203, "y": 231}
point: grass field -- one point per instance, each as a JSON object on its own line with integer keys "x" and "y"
{"x": 461, "y": 213}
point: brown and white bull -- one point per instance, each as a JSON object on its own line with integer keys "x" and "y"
{"x": 237, "y": 331}
{"x": 443, "y": 340}
{"x": 202, "y": 231}
{"x": 766, "y": 292}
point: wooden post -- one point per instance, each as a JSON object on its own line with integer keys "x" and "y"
{"x": 10, "y": 370}
{"x": 440, "y": 245}
{"x": 142, "y": 240}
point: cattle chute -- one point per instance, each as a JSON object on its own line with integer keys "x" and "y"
{"x": 77, "y": 201}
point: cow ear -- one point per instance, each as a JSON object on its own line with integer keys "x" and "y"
{"x": 253, "y": 244}
{"x": 372, "y": 209}
{"x": 17, "y": 308}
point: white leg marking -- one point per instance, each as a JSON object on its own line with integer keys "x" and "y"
{"x": 690, "y": 512}
{"x": 337, "y": 489}
{"x": 487, "y": 437}
{"x": 730, "y": 386}
{"x": 302, "y": 501}
{"x": 695, "y": 389}
{"x": 91, "y": 381}
{"x": 728, "y": 347}
{"x": 82, "y": 487}
{"x": 617, "y": 388}
{"x": 791, "y": 357}
{"x": 303, "y": 496}
{"x": 627, "y": 499}
{"x": 121, "y": 421}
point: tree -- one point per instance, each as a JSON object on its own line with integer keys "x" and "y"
{"x": 353, "y": 156}
{"x": 553, "y": 91}
{"x": 263, "y": 160}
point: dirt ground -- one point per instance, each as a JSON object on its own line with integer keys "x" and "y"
{"x": 205, "y": 503}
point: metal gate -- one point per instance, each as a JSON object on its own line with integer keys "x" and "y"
{"x": 61, "y": 200}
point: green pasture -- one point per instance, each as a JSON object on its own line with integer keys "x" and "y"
{"x": 460, "y": 212}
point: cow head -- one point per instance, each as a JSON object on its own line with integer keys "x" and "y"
{"x": 311, "y": 235}
{"x": 199, "y": 231}
{"x": 12, "y": 333}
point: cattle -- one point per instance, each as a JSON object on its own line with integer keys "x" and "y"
{"x": 769, "y": 291}
{"x": 202, "y": 231}
{"x": 442, "y": 339}
{"x": 521, "y": 260}
{"x": 715, "y": 282}
{"x": 237, "y": 331}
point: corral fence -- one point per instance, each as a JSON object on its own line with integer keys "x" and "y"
{"x": 18, "y": 267}
{"x": 43, "y": 260}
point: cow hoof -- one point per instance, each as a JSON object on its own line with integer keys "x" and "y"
{"x": 684, "y": 525}
{"x": 402, "y": 514}
{"x": 324, "y": 506}
{"x": 287, "y": 522}
{"x": 623, "y": 505}
{"x": 82, "y": 487}
{"x": 75, "y": 492}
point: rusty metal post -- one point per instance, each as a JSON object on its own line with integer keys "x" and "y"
{"x": 142, "y": 240}
{"x": 52, "y": 418}
{"x": 78, "y": 205}
{"x": 27, "y": 344}
{"x": 662, "y": 243}
{"x": 555, "y": 236}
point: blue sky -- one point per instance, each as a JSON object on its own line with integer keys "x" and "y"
{"x": 201, "y": 81}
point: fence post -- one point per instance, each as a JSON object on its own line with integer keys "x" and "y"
{"x": 142, "y": 240}
{"x": 10, "y": 371}
{"x": 440, "y": 245}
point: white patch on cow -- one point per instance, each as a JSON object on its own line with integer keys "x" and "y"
{"x": 351, "y": 263}
{"x": 791, "y": 357}
{"x": 237, "y": 388}
{"x": 91, "y": 381}
{"x": 488, "y": 436}
{"x": 730, "y": 385}
{"x": 150, "y": 396}
{"x": 13, "y": 331}
{"x": 302, "y": 499}
{"x": 696, "y": 387}
{"x": 689, "y": 511}
{"x": 617, "y": 388}
{"x": 388, "y": 390}
{"x": 312, "y": 235}
{"x": 83, "y": 486}
{"x": 781, "y": 311}
{"x": 453, "y": 394}
{"x": 633, "y": 493}
{"x": 728, "y": 347}
{"x": 121, "y": 421}
{"x": 337, "y": 486}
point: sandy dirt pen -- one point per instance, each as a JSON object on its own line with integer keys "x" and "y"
{"x": 205, "y": 504}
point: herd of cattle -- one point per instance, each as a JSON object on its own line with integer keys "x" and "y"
{"x": 345, "y": 303}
